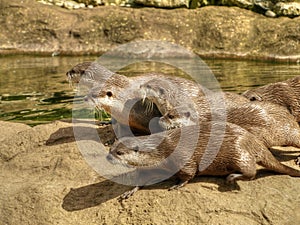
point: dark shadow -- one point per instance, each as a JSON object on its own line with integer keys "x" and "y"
{"x": 66, "y": 135}
{"x": 223, "y": 186}
{"x": 92, "y": 195}
{"x": 262, "y": 173}
{"x": 96, "y": 194}
{"x": 284, "y": 156}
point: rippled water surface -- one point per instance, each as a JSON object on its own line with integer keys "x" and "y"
{"x": 34, "y": 90}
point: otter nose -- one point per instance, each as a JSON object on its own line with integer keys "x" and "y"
{"x": 109, "y": 157}
{"x": 86, "y": 98}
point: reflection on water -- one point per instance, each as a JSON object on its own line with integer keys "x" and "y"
{"x": 34, "y": 89}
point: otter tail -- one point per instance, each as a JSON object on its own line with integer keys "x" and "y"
{"x": 271, "y": 163}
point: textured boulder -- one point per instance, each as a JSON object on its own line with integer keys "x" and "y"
{"x": 43, "y": 29}
{"x": 46, "y": 180}
{"x": 245, "y": 4}
{"x": 164, "y": 3}
{"x": 291, "y": 9}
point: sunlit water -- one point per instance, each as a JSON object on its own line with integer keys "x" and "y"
{"x": 34, "y": 90}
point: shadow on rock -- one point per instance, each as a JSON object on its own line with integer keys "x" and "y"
{"x": 92, "y": 195}
{"x": 66, "y": 135}
{"x": 96, "y": 194}
{"x": 284, "y": 155}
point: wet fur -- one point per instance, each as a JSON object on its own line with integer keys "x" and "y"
{"x": 167, "y": 94}
{"x": 124, "y": 91}
{"x": 237, "y": 157}
{"x": 271, "y": 123}
{"x": 286, "y": 94}
{"x": 88, "y": 74}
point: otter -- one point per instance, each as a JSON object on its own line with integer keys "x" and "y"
{"x": 166, "y": 95}
{"x": 237, "y": 157}
{"x": 271, "y": 123}
{"x": 119, "y": 95}
{"x": 264, "y": 120}
{"x": 285, "y": 93}
{"x": 88, "y": 74}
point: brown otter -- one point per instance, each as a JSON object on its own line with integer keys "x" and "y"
{"x": 88, "y": 74}
{"x": 237, "y": 157}
{"x": 166, "y": 90}
{"x": 271, "y": 123}
{"x": 285, "y": 93}
{"x": 120, "y": 97}
{"x": 264, "y": 120}
{"x": 166, "y": 95}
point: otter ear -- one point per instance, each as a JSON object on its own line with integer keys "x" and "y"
{"x": 187, "y": 114}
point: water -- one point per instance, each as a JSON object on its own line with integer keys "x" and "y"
{"x": 34, "y": 90}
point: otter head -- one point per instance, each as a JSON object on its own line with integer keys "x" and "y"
{"x": 178, "y": 117}
{"x": 76, "y": 73}
{"x": 88, "y": 74}
{"x": 138, "y": 151}
{"x": 102, "y": 99}
{"x": 252, "y": 95}
{"x": 108, "y": 95}
{"x": 159, "y": 91}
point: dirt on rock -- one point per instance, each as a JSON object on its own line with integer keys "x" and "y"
{"x": 224, "y": 32}
{"x": 46, "y": 180}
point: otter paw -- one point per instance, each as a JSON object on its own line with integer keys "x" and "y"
{"x": 231, "y": 178}
{"x": 128, "y": 194}
{"x": 177, "y": 186}
{"x": 297, "y": 160}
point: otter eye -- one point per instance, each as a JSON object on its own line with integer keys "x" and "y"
{"x": 120, "y": 152}
{"x": 187, "y": 114}
{"x": 136, "y": 149}
{"x": 109, "y": 93}
{"x": 170, "y": 116}
{"x": 252, "y": 99}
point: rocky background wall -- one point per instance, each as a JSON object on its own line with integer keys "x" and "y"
{"x": 211, "y": 31}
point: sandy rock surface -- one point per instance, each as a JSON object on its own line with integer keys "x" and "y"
{"x": 45, "y": 180}
{"x": 31, "y": 27}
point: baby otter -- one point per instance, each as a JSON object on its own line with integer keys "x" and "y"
{"x": 237, "y": 157}
{"x": 271, "y": 123}
{"x": 285, "y": 93}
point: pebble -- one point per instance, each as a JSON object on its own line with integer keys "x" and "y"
{"x": 270, "y": 13}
